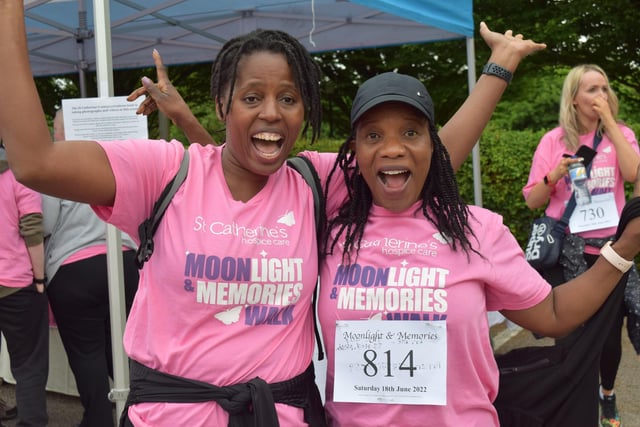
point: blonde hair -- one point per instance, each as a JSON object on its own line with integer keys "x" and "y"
{"x": 568, "y": 116}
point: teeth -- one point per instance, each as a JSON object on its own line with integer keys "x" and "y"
{"x": 267, "y": 136}
{"x": 398, "y": 172}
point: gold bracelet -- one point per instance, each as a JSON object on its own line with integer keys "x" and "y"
{"x": 614, "y": 259}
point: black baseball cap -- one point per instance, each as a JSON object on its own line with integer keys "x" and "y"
{"x": 388, "y": 87}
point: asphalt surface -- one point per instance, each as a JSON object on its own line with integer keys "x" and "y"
{"x": 66, "y": 411}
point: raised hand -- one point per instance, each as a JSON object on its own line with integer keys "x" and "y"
{"x": 163, "y": 96}
{"x": 601, "y": 106}
{"x": 507, "y": 50}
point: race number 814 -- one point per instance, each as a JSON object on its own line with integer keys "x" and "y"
{"x": 371, "y": 365}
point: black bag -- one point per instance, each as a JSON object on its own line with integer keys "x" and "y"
{"x": 557, "y": 386}
{"x": 545, "y": 242}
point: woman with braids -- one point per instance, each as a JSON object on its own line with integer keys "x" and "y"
{"x": 410, "y": 272}
{"x": 221, "y": 330}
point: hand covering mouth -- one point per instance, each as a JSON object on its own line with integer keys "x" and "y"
{"x": 394, "y": 178}
{"x": 268, "y": 144}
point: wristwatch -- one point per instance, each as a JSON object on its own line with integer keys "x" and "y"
{"x": 623, "y": 265}
{"x": 493, "y": 69}
{"x": 547, "y": 181}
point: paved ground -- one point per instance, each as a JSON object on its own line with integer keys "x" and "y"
{"x": 65, "y": 411}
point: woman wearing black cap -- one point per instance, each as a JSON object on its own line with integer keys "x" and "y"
{"x": 410, "y": 272}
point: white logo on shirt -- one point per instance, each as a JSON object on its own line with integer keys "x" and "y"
{"x": 440, "y": 238}
{"x": 287, "y": 219}
{"x": 229, "y": 316}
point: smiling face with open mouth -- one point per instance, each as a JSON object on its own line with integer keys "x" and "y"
{"x": 266, "y": 116}
{"x": 393, "y": 149}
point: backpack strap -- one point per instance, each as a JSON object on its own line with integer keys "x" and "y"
{"x": 305, "y": 168}
{"x": 148, "y": 227}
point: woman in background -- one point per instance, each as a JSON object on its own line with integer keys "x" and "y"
{"x": 588, "y": 116}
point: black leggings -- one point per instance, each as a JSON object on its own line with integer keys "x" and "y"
{"x": 79, "y": 298}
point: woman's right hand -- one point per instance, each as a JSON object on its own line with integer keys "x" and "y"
{"x": 563, "y": 168}
{"x": 540, "y": 193}
{"x": 507, "y": 50}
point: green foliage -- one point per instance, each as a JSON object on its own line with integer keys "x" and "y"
{"x": 532, "y": 104}
{"x": 438, "y": 65}
{"x": 575, "y": 31}
{"x": 324, "y": 145}
{"x": 505, "y": 159}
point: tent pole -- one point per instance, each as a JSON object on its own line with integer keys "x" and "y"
{"x": 471, "y": 77}
{"x": 104, "y": 72}
{"x": 81, "y": 35}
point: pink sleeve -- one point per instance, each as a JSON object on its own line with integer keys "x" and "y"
{"x": 28, "y": 201}
{"x": 541, "y": 164}
{"x": 515, "y": 285}
{"x": 631, "y": 137}
{"x": 142, "y": 168}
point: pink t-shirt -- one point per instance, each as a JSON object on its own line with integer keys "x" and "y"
{"x": 605, "y": 176}
{"x": 226, "y": 295}
{"x": 16, "y": 201}
{"x": 469, "y": 288}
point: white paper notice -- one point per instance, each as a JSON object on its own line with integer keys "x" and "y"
{"x": 399, "y": 362}
{"x": 103, "y": 119}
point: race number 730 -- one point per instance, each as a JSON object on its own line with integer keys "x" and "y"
{"x": 371, "y": 365}
{"x": 592, "y": 214}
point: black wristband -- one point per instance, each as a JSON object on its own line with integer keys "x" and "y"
{"x": 39, "y": 281}
{"x": 493, "y": 69}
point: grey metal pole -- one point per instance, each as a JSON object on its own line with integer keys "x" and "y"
{"x": 104, "y": 70}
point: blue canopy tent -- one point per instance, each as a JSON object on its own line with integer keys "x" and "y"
{"x": 61, "y": 32}
{"x": 69, "y": 36}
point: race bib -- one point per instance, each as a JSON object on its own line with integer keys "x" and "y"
{"x": 392, "y": 362}
{"x": 601, "y": 212}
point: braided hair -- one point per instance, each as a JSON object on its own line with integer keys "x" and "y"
{"x": 306, "y": 71}
{"x": 441, "y": 204}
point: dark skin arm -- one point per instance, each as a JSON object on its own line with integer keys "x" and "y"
{"x": 75, "y": 170}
